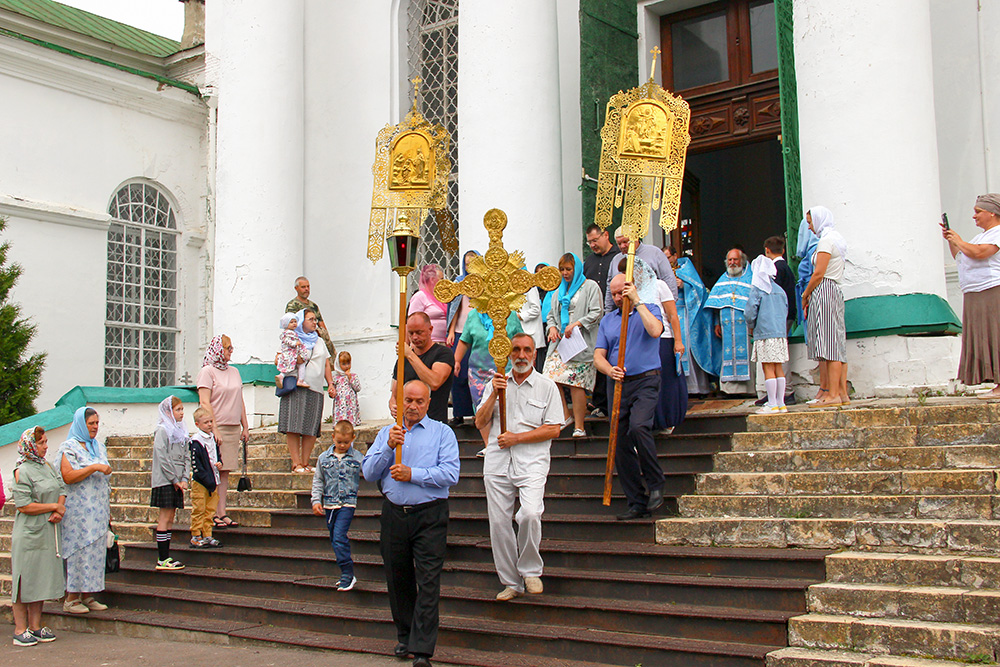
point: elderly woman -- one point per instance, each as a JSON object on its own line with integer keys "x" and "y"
{"x": 40, "y": 498}
{"x": 979, "y": 277}
{"x": 823, "y": 308}
{"x": 300, "y": 413}
{"x": 220, "y": 391}
{"x": 85, "y": 470}
{"x": 577, "y": 305}
{"x": 425, "y": 302}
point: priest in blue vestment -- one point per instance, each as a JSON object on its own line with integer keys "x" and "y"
{"x": 702, "y": 351}
{"x": 728, "y": 298}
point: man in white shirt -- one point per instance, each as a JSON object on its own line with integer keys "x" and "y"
{"x": 517, "y": 464}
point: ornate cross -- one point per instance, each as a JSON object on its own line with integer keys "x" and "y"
{"x": 416, "y": 81}
{"x": 496, "y": 285}
{"x": 656, "y": 54}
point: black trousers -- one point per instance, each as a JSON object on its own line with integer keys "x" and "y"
{"x": 600, "y": 397}
{"x": 413, "y": 543}
{"x": 635, "y": 454}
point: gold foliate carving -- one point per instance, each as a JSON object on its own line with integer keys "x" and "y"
{"x": 496, "y": 284}
{"x": 643, "y": 148}
{"x": 411, "y": 172}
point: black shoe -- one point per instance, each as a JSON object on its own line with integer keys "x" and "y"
{"x": 422, "y": 661}
{"x": 401, "y": 651}
{"x": 760, "y": 401}
{"x": 633, "y": 513}
{"x": 790, "y": 399}
{"x": 655, "y": 500}
{"x": 456, "y": 421}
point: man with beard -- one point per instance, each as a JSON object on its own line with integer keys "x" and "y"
{"x": 728, "y": 298}
{"x": 517, "y": 465}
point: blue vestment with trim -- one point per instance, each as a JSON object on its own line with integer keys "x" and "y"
{"x": 729, "y": 296}
{"x": 696, "y": 322}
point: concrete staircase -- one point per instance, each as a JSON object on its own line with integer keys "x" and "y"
{"x": 910, "y": 496}
{"x": 612, "y": 596}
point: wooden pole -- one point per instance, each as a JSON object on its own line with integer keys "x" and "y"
{"x": 401, "y": 362}
{"x": 617, "y": 401}
{"x": 502, "y": 398}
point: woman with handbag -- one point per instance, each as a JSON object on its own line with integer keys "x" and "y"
{"x": 85, "y": 470}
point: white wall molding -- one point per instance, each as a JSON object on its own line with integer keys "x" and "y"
{"x": 42, "y": 66}
{"x": 54, "y": 213}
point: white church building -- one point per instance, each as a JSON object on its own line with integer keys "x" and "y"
{"x": 159, "y": 193}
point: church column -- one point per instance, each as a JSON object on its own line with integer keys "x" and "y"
{"x": 510, "y": 155}
{"x": 255, "y": 62}
{"x": 868, "y": 138}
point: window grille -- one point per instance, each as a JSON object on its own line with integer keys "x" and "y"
{"x": 140, "y": 329}
{"x": 432, "y": 30}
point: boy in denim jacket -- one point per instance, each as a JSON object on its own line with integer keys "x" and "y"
{"x": 335, "y": 496}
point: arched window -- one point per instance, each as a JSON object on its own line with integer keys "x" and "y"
{"x": 140, "y": 339}
{"x": 433, "y": 54}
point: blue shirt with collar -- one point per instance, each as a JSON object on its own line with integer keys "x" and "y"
{"x": 642, "y": 351}
{"x": 430, "y": 449}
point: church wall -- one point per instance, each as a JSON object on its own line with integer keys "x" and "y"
{"x": 76, "y": 131}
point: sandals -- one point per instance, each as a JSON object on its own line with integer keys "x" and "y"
{"x": 298, "y": 470}
{"x": 224, "y": 521}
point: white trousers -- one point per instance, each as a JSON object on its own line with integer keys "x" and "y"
{"x": 516, "y": 557}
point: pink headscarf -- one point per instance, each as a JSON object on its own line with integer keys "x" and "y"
{"x": 429, "y": 277}
{"x": 213, "y": 355}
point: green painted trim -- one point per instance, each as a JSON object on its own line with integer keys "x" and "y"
{"x": 257, "y": 374}
{"x": 788, "y": 94}
{"x": 895, "y": 315}
{"x": 101, "y": 61}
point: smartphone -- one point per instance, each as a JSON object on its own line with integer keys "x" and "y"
{"x": 944, "y": 221}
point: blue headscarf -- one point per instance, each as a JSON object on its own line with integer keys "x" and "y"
{"x": 78, "y": 431}
{"x": 567, "y": 290}
{"x": 487, "y": 323}
{"x": 308, "y": 339}
{"x": 457, "y": 301}
{"x": 547, "y": 299}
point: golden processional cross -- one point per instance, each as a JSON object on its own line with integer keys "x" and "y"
{"x": 496, "y": 285}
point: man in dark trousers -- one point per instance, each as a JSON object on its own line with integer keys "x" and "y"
{"x": 414, "y": 520}
{"x": 427, "y": 361}
{"x": 595, "y": 268}
{"x": 635, "y": 456}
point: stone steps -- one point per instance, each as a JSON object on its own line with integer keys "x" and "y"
{"x": 838, "y": 506}
{"x": 952, "y": 411}
{"x": 934, "y": 457}
{"x": 868, "y": 437}
{"x": 878, "y": 482}
{"x": 801, "y": 657}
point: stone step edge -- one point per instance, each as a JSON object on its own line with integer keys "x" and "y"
{"x": 795, "y": 656}
{"x": 969, "y": 537}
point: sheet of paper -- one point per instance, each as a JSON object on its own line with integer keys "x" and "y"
{"x": 572, "y": 346}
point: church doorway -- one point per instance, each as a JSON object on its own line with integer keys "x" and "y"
{"x": 722, "y": 57}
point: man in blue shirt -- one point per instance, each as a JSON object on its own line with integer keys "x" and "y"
{"x": 414, "y": 520}
{"x": 635, "y": 456}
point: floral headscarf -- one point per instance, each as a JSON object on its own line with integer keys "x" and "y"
{"x": 213, "y": 355}
{"x": 26, "y": 449}
{"x": 175, "y": 429}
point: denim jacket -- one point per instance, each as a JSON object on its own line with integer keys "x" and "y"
{"x": 335, "y": 482}
{"x": 766, "y": 313}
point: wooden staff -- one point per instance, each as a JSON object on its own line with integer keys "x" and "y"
{"x": 401, "y": 362}
{"x": 617, "y": 402}
{"x": 502, "y": 399}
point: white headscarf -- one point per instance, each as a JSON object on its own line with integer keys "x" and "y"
{"x": 822, "y": 220}
{"x": 286, "y": 318}
{"x": 175, "y": 429}
{"x": 764, "y": 270}
{"x": 645, "y": 282}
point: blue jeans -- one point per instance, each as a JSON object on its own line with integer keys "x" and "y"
{"x": 339, "y": 522}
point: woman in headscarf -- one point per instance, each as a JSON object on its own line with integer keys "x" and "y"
{"x": 85, "y": 470}
{"x": 36, "y": 567}
{"x": 425, "y": 302}
{"x": 476, "y": 342}
{"x": 458, "y": 313}
{"x": 545, "y": 298}
{"x": 300, "y": 413}
{"x": 220, "y": 391}
{"x": 823, "y": 308}
{"x": 979, "y": 277}
{"x": 576, "y": 307}
{"x": 673, "y": 401}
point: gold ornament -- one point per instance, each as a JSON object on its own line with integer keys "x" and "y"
{"x": 411, "y": 177}
{"x": 643, "y": 147}
{"x": 496, "y": 285}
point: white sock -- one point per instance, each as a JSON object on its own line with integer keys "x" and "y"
{"x": 771, "y": 386}
{"x": 780, "y": 390}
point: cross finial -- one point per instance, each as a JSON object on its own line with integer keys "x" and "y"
{"x": 652, "y": 67}
{"x": 416, "y": 81}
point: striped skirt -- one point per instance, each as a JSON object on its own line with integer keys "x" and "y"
{"x": 980, "y": 360}
{"x": 827, "y": 333}
{"x": 300, "y": 412}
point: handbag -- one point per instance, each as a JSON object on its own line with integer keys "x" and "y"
{"x": 113, "y": 560}
{"x": 244, "y": 483}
